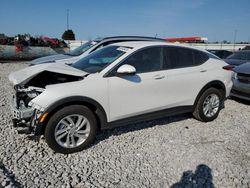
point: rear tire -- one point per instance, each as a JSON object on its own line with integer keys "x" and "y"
{"x": 71, "y": 129}
{"x": 209, "y": 105}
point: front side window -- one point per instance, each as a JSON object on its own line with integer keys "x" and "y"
{"x": 98, "y": 60}
{"x": 146, "y": 60}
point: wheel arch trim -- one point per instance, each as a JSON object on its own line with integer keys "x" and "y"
{"x": 216, "y": 84}
{"x": 94, "y": 106}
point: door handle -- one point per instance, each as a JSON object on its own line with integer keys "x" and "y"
{"x": 203, "y": 70}
{"x": 158, "y": 76}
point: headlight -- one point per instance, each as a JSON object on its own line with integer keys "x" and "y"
{"x": 235, "y": 76}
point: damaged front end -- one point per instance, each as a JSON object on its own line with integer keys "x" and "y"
{"x": 28, "y": 84}
{"x": 24, "y": 114}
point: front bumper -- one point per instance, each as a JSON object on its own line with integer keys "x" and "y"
{"x": 20, "y": 113}
{"x": 241, "y": 90}
{"x": 25, "y": 118}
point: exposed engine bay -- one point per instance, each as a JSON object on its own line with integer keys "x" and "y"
{"x": 25, "y": 95}
{"x": 48, "y": 78}
{"x": 24, "y": 114}
{"x": 35, "y": 86}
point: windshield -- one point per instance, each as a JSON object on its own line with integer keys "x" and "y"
{"x": 240, "y": 55}
{"x": 79, "y": 50}
{"x": 98, "y": 60}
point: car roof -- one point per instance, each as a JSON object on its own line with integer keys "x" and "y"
{"x": 219, "y": 50}
{"x": 130, "y": 38}
{"x": 241, "y": 51}
{"x": 140, "y": 44}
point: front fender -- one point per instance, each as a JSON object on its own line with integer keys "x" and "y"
{"x": 93, "y": 105}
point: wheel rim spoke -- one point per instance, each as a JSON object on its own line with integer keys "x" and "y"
{"x": 67, "y": 141}
{"x": 65, "y": 123}
{"x": 82, "y": 131}
{"x": 59, "y": 132}
{"x": 70, "y": 120}
{"x": 82, "y": 124}
{"x": 79, "y": 120}
{"x": 84, "y": 136}
{"x": 73, "y": 140}
{"x": 206, "y": 109}
{"x": 61, "y": 136}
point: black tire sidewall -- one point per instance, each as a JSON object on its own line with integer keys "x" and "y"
{"x": 201, "y": 101}
{"x": 68, "y": 110}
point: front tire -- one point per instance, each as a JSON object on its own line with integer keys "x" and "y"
{"x": 71, "y": 129}
{"x": 209, "y": 105}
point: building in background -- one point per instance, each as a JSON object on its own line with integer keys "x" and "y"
{"x": 187, "y": 39}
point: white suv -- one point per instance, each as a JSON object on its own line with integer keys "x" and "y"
{"x": 118, "y": 84}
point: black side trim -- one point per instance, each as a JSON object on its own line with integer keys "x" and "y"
{"x": 99, "y": 111}
{"x": 149, "y": 116}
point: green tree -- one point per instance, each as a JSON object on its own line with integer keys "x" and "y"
{"x": 68, "y": 35}
{"x": 2, "y": 35}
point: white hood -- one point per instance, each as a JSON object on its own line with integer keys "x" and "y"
{"x": 24, "y": 75}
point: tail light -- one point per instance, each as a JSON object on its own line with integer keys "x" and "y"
{"x": 228, "y": 67}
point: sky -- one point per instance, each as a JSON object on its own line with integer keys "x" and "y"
{"x": 217, "y": 20}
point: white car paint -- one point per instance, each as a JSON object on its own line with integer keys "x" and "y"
{"x": 134, "y": 95}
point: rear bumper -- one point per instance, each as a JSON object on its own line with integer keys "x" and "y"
{"x": 228, "y": 89}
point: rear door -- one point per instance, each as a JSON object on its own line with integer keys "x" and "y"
{"x": 185, "y": 73}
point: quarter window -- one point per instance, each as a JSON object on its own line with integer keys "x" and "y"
{"x": 199, "y": 57}
{"x": 179, "y": 57}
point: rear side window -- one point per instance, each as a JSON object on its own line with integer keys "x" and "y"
{"x": 177, "y": 57}
{"x": 147, "y": 60}
{"x": 199, "y": 57}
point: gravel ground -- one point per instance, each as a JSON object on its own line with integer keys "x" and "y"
{"x": 173, "y": 152}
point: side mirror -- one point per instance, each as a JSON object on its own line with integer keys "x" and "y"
{"x": 126, "y": 70}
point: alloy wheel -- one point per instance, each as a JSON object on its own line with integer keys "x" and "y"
{"x": 72, "y": 131}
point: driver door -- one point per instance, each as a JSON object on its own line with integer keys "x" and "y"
{"x": 143, "y": 92}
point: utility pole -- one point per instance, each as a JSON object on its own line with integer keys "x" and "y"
{"x": 235, "y": 35}
{"x": 67, "y": 19}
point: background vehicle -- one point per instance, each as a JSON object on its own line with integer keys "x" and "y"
{"x": 241, "y": 82}
{"x": 221, "y": 53}
{"x": 88, "y": 48}
{"x": 246, "y": 48}
{"x": 238, "y": 57}
{"x": 116, "y": 85}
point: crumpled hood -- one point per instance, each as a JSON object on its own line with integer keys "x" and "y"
{"x": 49, "y": 59}
{"x": 24, "y": 75}
{"x": 244, "y": 68}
